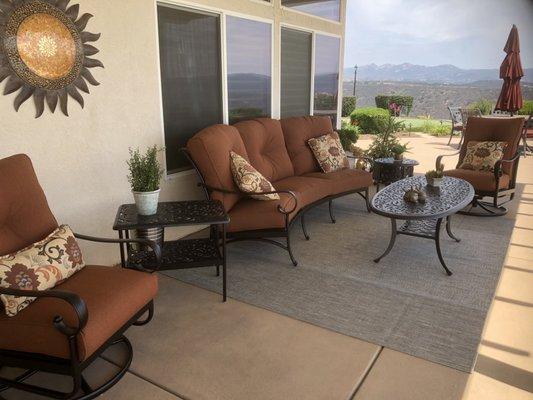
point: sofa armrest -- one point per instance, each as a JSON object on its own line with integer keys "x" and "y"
{"x": 281, "y": 208}
{"x": 153, "y": 245}
{"x": 75, "y": 301}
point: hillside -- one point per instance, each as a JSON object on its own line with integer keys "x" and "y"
{"x": 431, "y": 99}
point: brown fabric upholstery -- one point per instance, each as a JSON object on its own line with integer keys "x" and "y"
{"x": 113, "y": 296}
{"x": 494, "y": 129}
{"x": 210, "y": 149}
{"x": 482, "y": 181}
{"x": 297, "y": 131}
{"x": 307, "y": 190}
{"x": 265, "y": 145}
{"x": 345, "y": 180}
{"x": 25, "y": 217}
{"x": 250, "y": 214}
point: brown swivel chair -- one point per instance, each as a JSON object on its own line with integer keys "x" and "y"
{"x": 501, "y": 183}
{"x": 66, "y": 328}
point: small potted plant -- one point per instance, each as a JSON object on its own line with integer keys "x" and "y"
{"x": 398, "y": 151}
{"x": 434, "y": 177}
{"x": 144, "y": 178}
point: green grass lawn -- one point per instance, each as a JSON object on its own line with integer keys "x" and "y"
{"x": 430, "y": 126}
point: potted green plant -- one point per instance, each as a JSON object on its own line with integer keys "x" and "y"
{"x": 398, "y": 150}
{"x": 144, "y": 178}
{"x": 434, "y": 177}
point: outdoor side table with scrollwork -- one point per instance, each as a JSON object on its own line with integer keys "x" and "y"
{"x": 422, "y": 220}
{"x": 389, "y": 170}
{"x": 177, "y": 254}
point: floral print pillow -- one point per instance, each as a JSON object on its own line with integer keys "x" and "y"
{"x": 41, "y": 266}
{"x": 249, "y": 180}
{"x": 329, "y": 153}
{"x": 482, "y": 156}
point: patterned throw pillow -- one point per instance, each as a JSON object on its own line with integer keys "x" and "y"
{"x": 329, "y": 153}
{"x": 41, "y": 266}
{"x": 249, "y": 180}
{"x": 482, "y": 156}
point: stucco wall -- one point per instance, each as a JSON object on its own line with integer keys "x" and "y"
{"x": 80, "y": 160}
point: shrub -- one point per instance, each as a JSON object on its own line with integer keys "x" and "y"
{"x": 527, "y": 108}
{"x": 386, "y": 143}
{"x": 145, "y": 170}
{"x": 405, "y": 102}
{"x": 483, "y": 105}
{"x": 325, "y": 101}
{"x": 348, "y": 134}
{"x": 348, "y": 105}
{"x": 367, "y": 119}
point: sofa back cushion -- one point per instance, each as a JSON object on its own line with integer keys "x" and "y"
{"x": 25, "y": 217}
{"x": 297, "y": 132}
{"x": 210, "y": 149}
{"x": 265, "y": 145}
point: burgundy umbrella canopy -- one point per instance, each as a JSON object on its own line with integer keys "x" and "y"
{"x": 511, "y": 71}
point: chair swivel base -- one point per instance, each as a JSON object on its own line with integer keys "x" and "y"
{"x": 480, "y": 208}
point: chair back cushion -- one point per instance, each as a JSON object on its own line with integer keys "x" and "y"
{"x": 25, "y": 216}
{"x": 265, "y": 145}
{"x": 41, "y": 266}
{"x": 481, "y": 129}
{"x": 210, "y": 149}
{"x": 297, "y": 132}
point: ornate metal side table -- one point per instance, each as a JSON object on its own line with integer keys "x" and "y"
{"x": 389, "y": 170}
{"x": 177, "y": 254}
{"x": 423, "y": 220}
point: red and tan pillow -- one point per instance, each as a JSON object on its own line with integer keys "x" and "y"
{"x": 41, "y": 266}
{"x": 249, "y": 180}
{"x": 482, "y": 156}
{"x": 329, "y": 153}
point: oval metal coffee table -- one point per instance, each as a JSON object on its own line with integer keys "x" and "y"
{"x": 423, "y": 220}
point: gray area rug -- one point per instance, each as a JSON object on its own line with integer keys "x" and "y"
{"x": 405, "y": 303}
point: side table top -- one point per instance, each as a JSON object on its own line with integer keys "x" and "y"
{"x": 175, "y": 213}
{"x": 453, "y": 195}
{"x": 391, "y": 161}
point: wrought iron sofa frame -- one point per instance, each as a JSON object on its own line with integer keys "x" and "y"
{"x": 267, "y": 235}
{"x": 72, "y": 366}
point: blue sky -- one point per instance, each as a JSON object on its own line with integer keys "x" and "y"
{"x": 465, "y": 33}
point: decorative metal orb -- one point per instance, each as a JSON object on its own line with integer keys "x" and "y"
{"x": 44, "y": 52}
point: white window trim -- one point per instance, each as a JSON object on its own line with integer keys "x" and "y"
{"x": 332, "y": 21}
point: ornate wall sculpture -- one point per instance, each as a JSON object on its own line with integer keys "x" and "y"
{"x": 44, "y": 52}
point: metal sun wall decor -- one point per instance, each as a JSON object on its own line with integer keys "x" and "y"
{"x": 44, "y": 52}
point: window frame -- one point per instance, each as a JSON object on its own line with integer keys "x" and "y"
{"x": 294, "y": 10}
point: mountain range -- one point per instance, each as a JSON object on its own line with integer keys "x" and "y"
{"x": 447, "y": 74}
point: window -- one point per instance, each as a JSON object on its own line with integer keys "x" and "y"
{"x": 327, "y": 49}
{"x": 249, "y": 60}
{"x": 295, "y": 72}
{"x": 330, "y": 9}
{"x": 189, "y": 45}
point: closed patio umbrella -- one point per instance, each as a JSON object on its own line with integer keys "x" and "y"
{"x": 510, "y": 99}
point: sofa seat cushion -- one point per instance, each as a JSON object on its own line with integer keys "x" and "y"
{"x": 345, "y": 180}
{"x": 112, "y": 295}
{"x": 307, "y": 189}
{"x": 249, "y": 214}
{"x": 265, "y": 145}
{"x": 297, "y": 132}
{"x": 482, "y": 181}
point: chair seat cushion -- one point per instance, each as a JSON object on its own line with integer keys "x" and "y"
{"x": 482, "y": 181}
{"x": 345, "y": 180}
{"x": 112, "y": 295}
{"x": 250, "y": 214}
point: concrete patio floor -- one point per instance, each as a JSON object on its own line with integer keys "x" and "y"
{"x": 236, "y": 351}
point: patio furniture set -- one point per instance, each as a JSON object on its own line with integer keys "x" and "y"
{"x": 63, "y": 327}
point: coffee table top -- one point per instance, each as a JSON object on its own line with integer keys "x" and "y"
{"x": 453, "y": 195}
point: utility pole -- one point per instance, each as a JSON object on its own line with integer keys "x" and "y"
{"x": 354, "y": 79}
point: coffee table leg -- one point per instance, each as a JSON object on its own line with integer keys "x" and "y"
{"x": 437, "y": 242}
{"x": 224, "y": 281}
{"x": 449, "y": 229}
{"x": 392, "y": 240}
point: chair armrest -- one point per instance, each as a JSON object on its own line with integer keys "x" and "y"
{"x": 153, "y": 245}
{"x": 438, "y": 163}
{"x": 368, "y": 159}
{"x": 281, "y": 209}
{"x": 498, "y": 166}
{"x": 75, "y": 301}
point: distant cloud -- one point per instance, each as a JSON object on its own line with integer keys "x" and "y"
{"x": 469, "y": 34}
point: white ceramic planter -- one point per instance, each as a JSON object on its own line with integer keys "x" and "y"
{"x": 435, "y": 182}
{"x": 146, "y": 202}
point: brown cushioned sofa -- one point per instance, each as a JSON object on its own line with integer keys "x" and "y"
{"x": 278, "y": 149}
